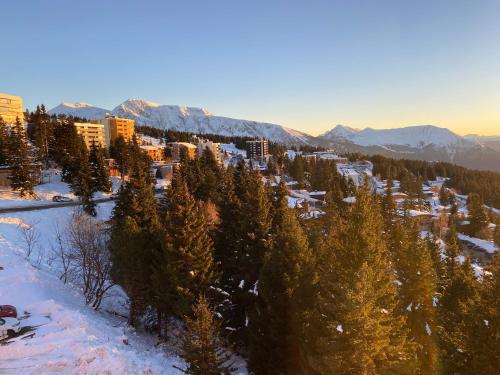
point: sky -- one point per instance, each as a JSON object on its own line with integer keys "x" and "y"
{"x": 308, "y": 65}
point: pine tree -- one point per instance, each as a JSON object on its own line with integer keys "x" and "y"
{"x": 185, "y": 267}
{"x": 81, "y": 180}
{"x": 4, "y": 142}
{"x": 227, "y": 248}
{"x": 460, "y": 291}
{"x": 98, "y": 171}
{"x": 119, "y": 151}
{"x": 297, "y": 169}
{"x": 134, "y": 238}
{"x": 40, "y": 131}
{"x": 202, "y": 349}
{"x": 477, "y": 216}
{"x": 484, "y": 324}
{"x": 23, "y": 177}
{"x": 417, "y": 292}
{"x": 361, "y": 330}
{"x": 388, "y": 205}
{"x": 444, "y": 196}
{"x": 244, "y": 231}
{"x": 276, "y": 325}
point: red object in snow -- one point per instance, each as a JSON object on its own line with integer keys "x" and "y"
{"x": 8, "y": 311}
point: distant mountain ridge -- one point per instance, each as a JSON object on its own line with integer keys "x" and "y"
{"x": 411, "y": 136}
{"x": 425, "y": 142}
{"x": 189, "y": 119}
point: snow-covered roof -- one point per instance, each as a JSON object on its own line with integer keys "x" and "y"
{"x": 487, "y": 246}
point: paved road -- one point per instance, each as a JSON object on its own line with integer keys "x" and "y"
{"x": 49, "y": 205}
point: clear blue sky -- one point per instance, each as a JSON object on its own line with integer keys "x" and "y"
{"x": 305, "y": 64}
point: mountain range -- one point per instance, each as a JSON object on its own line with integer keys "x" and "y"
{"x": 424, "y": 142}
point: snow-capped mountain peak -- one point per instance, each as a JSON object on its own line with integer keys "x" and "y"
{"x": 79, "y": 109}
{"x": 188, "y": 119}
{"x": 77, "y": 105}
{"x": 418, "y": 136}
{"x": 340, "y": 131}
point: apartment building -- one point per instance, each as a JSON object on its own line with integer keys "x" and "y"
{"x": 258, "y": 149}
{"x": 91, "y": 133}
{"x": 116, "y": 126}
{"x": 156, "y": 153}
{"x": 177, "y": 148}
{"x": 212, "y": 146}
{"x": 11, "y": 107}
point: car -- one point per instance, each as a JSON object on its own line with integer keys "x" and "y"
{"x": 61, "y": 198}
{"x": 9, "y": 327}
{"x": 8, "y": 311}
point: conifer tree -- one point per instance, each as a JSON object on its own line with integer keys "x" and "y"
{"x": 4, "y": 142}
{"x": 65, "y": 144}
{"x": 484, "y": 324}
{"x": 81, "y": 180}
{"x": 417, "y": 292}
{"x": 243, "y": 239}
{"x": 388, "y": 205}
{"x": 40, "y": 131}
{"x": 477, "y": 216}
{"x": 119, "y": 151}
{"x": 460, "y": 291}
{"x": 362, "y": 331}
{"x": 227, "y": 248}
{"x": 284, "y": 293}
{"x": 297, "y": 169}
{"x": 134, "y": 238}
{"x": 23, "y": 176}
{"x": 202, "y": 349}
{"x": 185, "y": 267}
{"x": 98, "y": 171}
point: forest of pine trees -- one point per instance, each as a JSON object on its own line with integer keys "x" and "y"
{"x": 355, "y": 291}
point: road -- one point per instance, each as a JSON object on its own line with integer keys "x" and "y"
{"x": 48, "y": 205}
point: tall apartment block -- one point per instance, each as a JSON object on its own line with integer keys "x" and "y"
{"x": 258, "y": 149}
{"x": 11, "y": 107}
{"x": 91, "y": 133}
{"x": 212, "y": 146}
{"x": 116, "y": 126}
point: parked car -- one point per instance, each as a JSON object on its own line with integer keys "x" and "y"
{"x": 9, "y": 327}
{"x": 61, "y": 198}
{"x": 8, "y": 311}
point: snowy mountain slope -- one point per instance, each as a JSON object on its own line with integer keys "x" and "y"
{"x": 190, "y": 119}
{"x": 424, "y": 142}
{"x": 79, "y": 109}
{"x": 492, "y": 141}
{"x": 70, "y": 338}
{"x": 411, "y": 136}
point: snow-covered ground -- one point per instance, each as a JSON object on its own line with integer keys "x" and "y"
{"x": 46, "y": 191}
{"x": 72, "y": 338}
